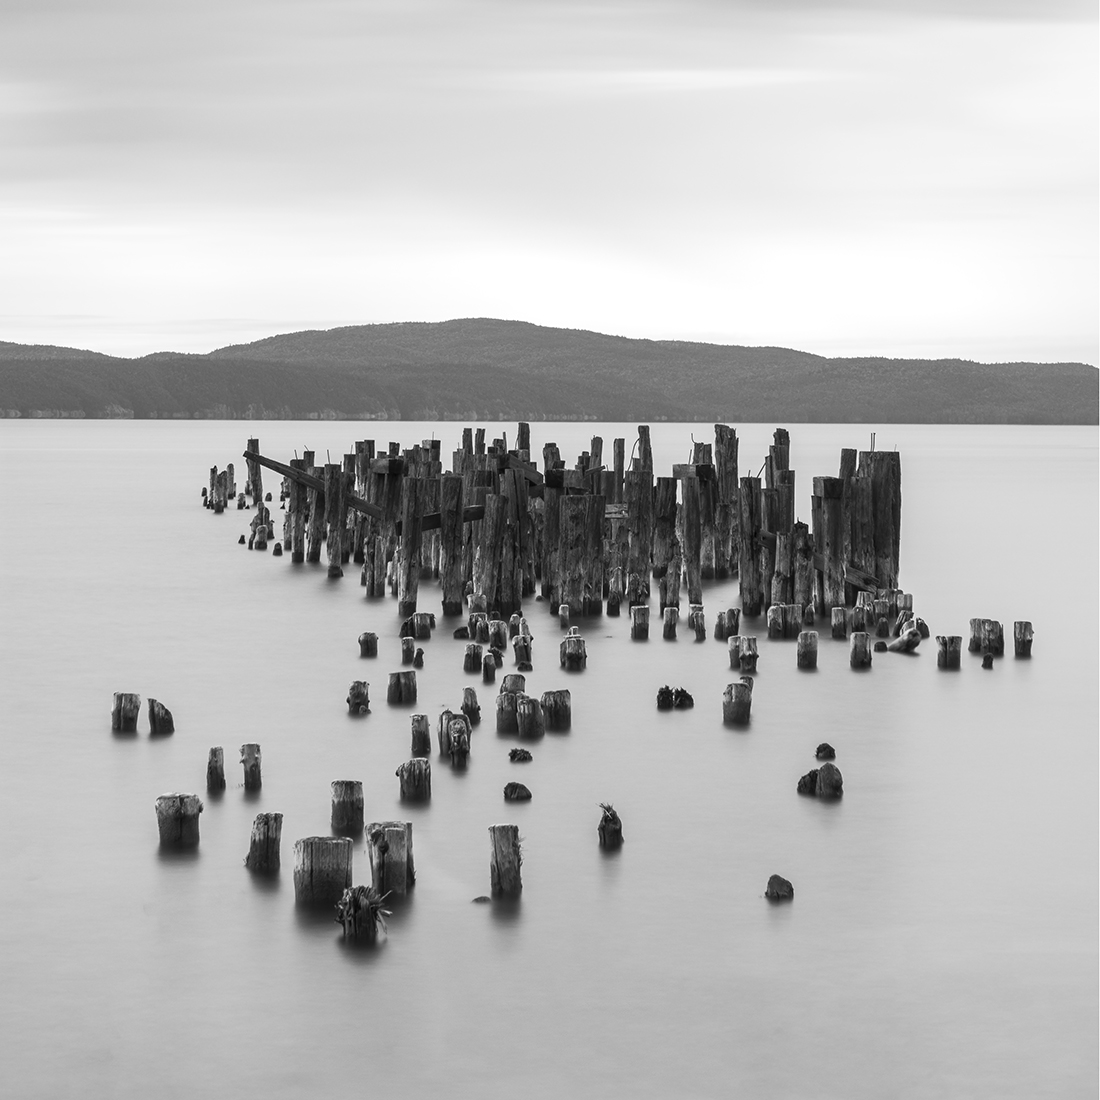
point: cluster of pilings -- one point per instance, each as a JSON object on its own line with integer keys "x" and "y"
{"x": 590, "y": 536}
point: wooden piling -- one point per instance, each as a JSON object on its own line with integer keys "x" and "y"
{"x": 125, "y": 711}
{"x": 949, "y": 655}
{"x": 488, "y": 668}
{"x": 178, "y": 819}
{"x": 747, "y": 653}
{"x": 750, "y": 580}
{"x": 359, "y": 912}
{"x": 347, "y": 807}
{"x": 401, "y": 689}
{"x": 521, "y": 645}
{"x": 572, "y": 653}
{"x": 215, "y": 770}
{"x": 840, "y": 622}
{"x": 358, "y": 699}
{"x": 458, "y": 740}
{"x": 160, "y": 718}
{"x": 514, "y": 681}
{"x": 668, "y": 628}
{"x": 610, "y": 828}
{"x": 250, "y": 759}
{"x": 507, "y": 712}
{"x": 471, "y": 660}
{"x": 263, "y": 849}
{"x": 255, "y": 486}
{"x": 470, "y": 706}
{"x": 322, "y": 869}
{"x": 807, "y": 649}
{"x": 859, "y": 649}
{"x": 1022, "y": 637}
{"x": 452, "y": 578}
{"x": 415, "y": 777}
{"x": 987, "y": 636}
{"x": 408, "y": 556}
{"x": 639, "y": 623}
{"x": 368, "y": 644}
{"x": 421, "y": 735}
{"x": 389, "y": 850}
{"x": 557, "y": 709}
{"x": 408, "y": 650}
{"x": 498, "y": 633}
{"x": 737, "y": 702}
{"x": 505, "y": 860}
{"x": 530, "y": 721}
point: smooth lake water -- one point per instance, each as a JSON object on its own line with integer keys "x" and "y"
{"x": 942, "y": 941}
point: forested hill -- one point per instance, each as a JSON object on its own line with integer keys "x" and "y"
{"x": 482, "y": 369}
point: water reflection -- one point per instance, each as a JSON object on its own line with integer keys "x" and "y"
{"x": 178, "y": 853}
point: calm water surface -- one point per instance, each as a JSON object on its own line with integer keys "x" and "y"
{"x": 943, "y": 937}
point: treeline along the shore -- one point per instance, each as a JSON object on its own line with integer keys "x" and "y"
{"x": 483, "y": 369}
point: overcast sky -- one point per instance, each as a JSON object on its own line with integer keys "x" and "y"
{"x": 894, "y": 177}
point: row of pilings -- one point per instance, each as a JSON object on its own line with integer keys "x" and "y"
{"x": 588, "y": 537}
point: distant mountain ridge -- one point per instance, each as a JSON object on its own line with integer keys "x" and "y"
{"x": 485, "y": 369}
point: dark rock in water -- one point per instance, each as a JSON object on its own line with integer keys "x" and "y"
{"x": 922, "y": 626}
{"x": 779, "y": 889}
{"x": 987, "y": 661}
{"x": 483, "y": 900}
{"x": 830, "y": 783}
{"x": 808, "y": 783}
{"x": 665, "y": 698}
{"x": 519, "y": 756}
{"x": 241, "y": 541}
{"x": 463, "y": 632}
{"x": 516, "y": 792}
{"x": 825, "y": 751}
{"x": 277, "y": 551}
{"x": 268, "y": 497}
{"x": 880, "y": 647}
{"x": 682, "y": 699}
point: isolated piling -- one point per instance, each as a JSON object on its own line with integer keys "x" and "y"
{"x": 859, "y": 649}
{"x": 949, "y": 655}
{"x": 360, "y": 914}
{"x": 215, "y": 770}
{"x": 368, "y": 644}
{"x": 505, "y": 860}
{"x": 322, "y": 869}
{"x": 737, "y": 702}
{"x": 178, "y": 819}
{"x": 250, "y": 759}
{"x": 160, "y": 718}
{"x": 610, "y": 828}
{"x": 572, "y": 653}
{"x": 1021, "y": 638}
{"x": 639, "y": 623}
{"x": 557, "y": 709}
{"x": 358, "y": 699}
{"x": 263, "y": 849}
{"x": 401, "y": 689}
{"x": 986, "y": 636}
{"x": 421, "y": 735}
{"x": 347, "y": 807}
{"x": 124, "y": 713}
{"x": 807, "y": 649}
{"x": 415, "y": 778}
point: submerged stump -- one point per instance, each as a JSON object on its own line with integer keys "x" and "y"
{"x": 124, "y": 713}
{"x": 263, "y": 851}
{"x": 178, "y": 819}
{"x": 505, "y": 860}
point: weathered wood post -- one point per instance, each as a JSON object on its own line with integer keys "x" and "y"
{"x": 530, "y": 721}
{"x": 470, "y": 706}
{"x": 458, "y": 738}
{"x": 807, "y": 649}
{"x": 408, "y": 558}
{"x": 638, "y": 495}
{"x": 390, "y": 850}
{"x": 299, "y": 504}
{"x": 452, "y": 578}
{"x": 610, "y": 828}
{"x": 215, "y": 770}
{"x": 416, "y": 779}
{"x": 987, "y": 636}
{"x": 178, "y": 819}
{"x": 347, "y": 806}
{"x": 737, "y": 702}
{"x": 359, "y": 912}
{"x": 335, "y": 517}
{"x": 471, "y": 660}
{"x": 498, "y": 633}
{"x": 1022, "y": 637}
{"x": 521, "y": 644}
{"x": 505, "y": 860}
{"x": 744, "y": 651}
{"x": 421, "y": 735}
{"x": 514, "y": 681}
{"x": 750, "y": 580}
{"x": 639, "y": 622}
{"x": 322, "y": 869}
{"x": 557, "y": 709}
{"x": 572, "y": 652}
{"x": 840, "y": 622}
{"x": 488, "y": 668}
{"x": 859, "y": 649}
{"x": 316, "y": 505}
{"x": 507, "y": 712}
{"x": 124, "y": 714}
{"x": 358, "y": 699}
{"x": 833, "y": 536}
{"x": 263, "y": 849}
{"x": 250, "y": 758}
{"x": 401, "y": 689}
{"x": 949, "y": 655}
{"x": 255, "y": 486}
{"x": 368, "y": 644}
{"x": 408, "y": 650}
{"x": 668, "y": 629}
{"x": 160, "y": 718}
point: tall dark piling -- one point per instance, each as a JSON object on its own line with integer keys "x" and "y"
{"x": 421, "y": 736}
{"x": 263, "y": 849}
{"x": 215, "y": 770}
{"x": 750, "y": 519}
{"x": 125, "y": 711}
{"x": 1021, "y": 638}
{"x": 949, "y": 654}
{"x": 737, "y": 702}
{"x": 505, "y": 860}
{"x": 250, "y": 759}
{"x": 160, "y": 718}
{"x": 415, "y": 777}
{"x": 557, "y": 709}
{"x": 390, "y": 850}
{"x": 178, "y": 819}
